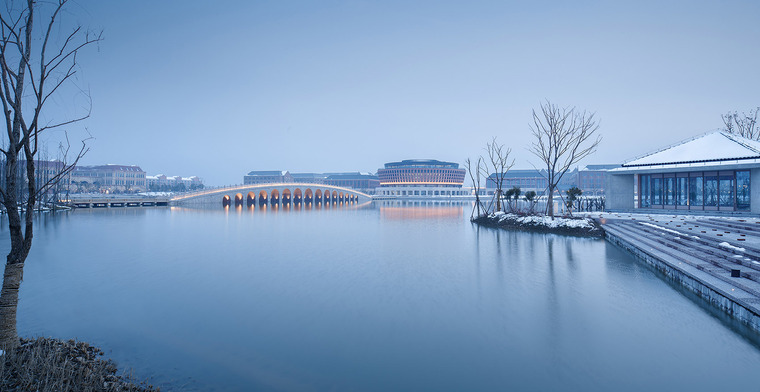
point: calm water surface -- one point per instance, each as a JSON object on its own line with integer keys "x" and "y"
{"x": 377, "y": 298}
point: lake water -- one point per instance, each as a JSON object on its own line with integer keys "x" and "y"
{"x": 383, "y": 297}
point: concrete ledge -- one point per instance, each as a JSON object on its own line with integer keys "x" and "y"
{"x": 736, "y": 302}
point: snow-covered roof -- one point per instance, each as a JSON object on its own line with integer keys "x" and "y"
{"x": 716, "y": 146}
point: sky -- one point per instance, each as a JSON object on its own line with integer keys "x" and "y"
{"x": 219, "y": 88}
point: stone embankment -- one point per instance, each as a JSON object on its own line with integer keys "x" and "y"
{"x": 716, "y": 258}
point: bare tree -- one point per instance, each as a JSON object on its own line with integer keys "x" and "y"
{"x": 498, "y": 157}
{"x": 30, "y": 75}
{"x": 475, "y": 176}
{"x": 563, "y": 136}
{"x": 742, "y": 124}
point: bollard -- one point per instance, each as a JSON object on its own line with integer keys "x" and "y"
{"x": 735, "y": 273}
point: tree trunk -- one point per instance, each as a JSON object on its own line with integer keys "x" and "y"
{"x": 550, "y": 203}
{"x": 8, "y": 305}
{"x": 498, "y": 200}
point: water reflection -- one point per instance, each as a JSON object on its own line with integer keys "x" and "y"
{"x": 369, "y": 297}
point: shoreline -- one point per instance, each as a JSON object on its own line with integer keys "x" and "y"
{"x": 47, "y": 364}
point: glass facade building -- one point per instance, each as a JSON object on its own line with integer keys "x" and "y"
{"x": 710, "y": 172}
{"x": 698, "y": 190}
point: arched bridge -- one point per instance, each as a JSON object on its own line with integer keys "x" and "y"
{"x": 271, "y": 194}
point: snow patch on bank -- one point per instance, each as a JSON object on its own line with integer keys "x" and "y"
{"x": 544, "y": 221}
{"x": 729, "y": 246}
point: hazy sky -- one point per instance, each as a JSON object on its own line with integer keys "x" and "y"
{"x": 219, "y": 88}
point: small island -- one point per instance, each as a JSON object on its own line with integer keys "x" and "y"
{"x": 575, "y": 226}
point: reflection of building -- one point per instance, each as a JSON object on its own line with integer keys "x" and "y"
{"x": 712, "y": 172}
{"x": 109, "y": 178}
{"x": 267, "y": 177}
{"x": 421, "y": 178}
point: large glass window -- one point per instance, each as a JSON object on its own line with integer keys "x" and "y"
{"x": 711, "y": 190}
{"x": 681, "y": 189}
{"x": 726, "y": 189}
{"x": 669, "y": 190}
{"x": 696, "y": 190}
{"x": 646, "y": 193}
{"x": 657, "y": 191}
{"x": 742, "y": 190}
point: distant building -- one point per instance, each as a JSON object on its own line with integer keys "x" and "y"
{"x": 308, "y": 178}
{"x": 109, "y": 178}
{"x": 162, "y": 183}
{"x": 45, "y": 173}
{"x": 530, "y": 180}
{"x": 712, "y": 172}
{"x": 591, "y": 179}
{"x": 421, "y": 178}
{"x": 267, "y": 177}
{"x": 364, "y": 182}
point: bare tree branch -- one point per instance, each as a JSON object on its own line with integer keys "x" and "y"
{"x": 563, "y": 137}
{"x": 29, "y": 77}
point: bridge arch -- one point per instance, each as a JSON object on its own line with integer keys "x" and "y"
{"x": 334, "y": 197}
{"x": 226, "y": 201}
{"x": 287, "y": 196}
{"x": 275, "y": 196}
{"x": 318, "y": 196}
{"x": 238, "y": 199}
{"x": 297, "y": 196}
{"x": 250, "y": 199}
{"x": 308, "y": 196}
{"x": 263, "y": 197}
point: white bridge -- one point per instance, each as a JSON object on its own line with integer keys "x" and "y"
{"x": 274, "y": 194}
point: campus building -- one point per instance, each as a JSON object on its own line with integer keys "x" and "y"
{"x": 267, "y": 177}
{"x": 711, "y": 172}
{"x": 108, "y": 178}
{"x": 591, "y": 179}
{"x": 421, "y": 178}
{"x": 530, "y": 180}
{"x": 163, "y": 183}
{"x": 364, "y": 182}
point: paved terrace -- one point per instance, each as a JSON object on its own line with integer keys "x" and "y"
{"x": 716, "y": 257}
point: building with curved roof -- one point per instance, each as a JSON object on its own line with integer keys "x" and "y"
{"x": 421, "y": 178}
{"x": 710, "y": 172}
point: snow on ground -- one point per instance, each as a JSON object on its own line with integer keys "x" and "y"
{"x": 544, "y": 221}
{"x": 729, "y": 246}
{"x": 660, "y": 228}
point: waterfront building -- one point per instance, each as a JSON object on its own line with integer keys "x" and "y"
{"x": 267, "y": 177}
{"x": 712, "y": 172}
{"x": 421, "y": 178}
{"x": 364, "y": 182}
{"x": 163, "y": 183}
{"x": 530, "y": 180}
{"x": 308, "y": 178}
{"x": 591, "y": 179}
{"x": 109, "y": 178}
{"x": 45, "y": 173}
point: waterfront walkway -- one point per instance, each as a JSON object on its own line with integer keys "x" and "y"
{"x": 717, "y": 258}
